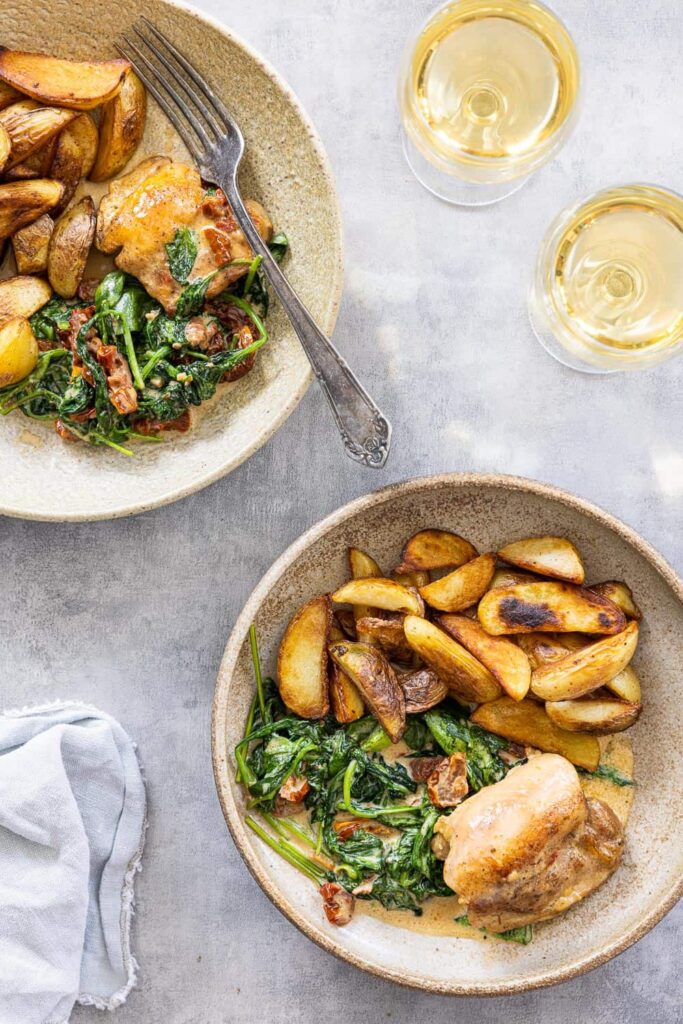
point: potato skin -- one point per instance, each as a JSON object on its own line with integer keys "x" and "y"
{"x": 30, "y": 127}
{"x": 586, "y": 669}
{"x": 74, "y": 155}
{"x": 388, "y": 634}
{"x": 31, "y": 245}
{"x": 22, "y": 202}
{"x": 436, "y": 549}
{"x": 18, "y": 351}
{"x": 69, "y": 247}
{"x": 361, "y": 566}
{"x": 422, "y": 689}
{"x": 367, "y": 667}
{"x": 466, "y": 678}
{"x": 122, "y": 125}
{"x": 347, "y": 703}
{"x": 619, "y": 594}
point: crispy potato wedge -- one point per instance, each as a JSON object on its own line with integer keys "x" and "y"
{"x": 5, "y": 147}
{"x": 626, "y": 685}
{"x": 621, "y": 595}
{"x": 466, "y": 678}
{"x": 387, "y": 634}
{"x": 461, "y": 588}
{"x": 527, "y": 723}
{"x": 415, "y": 578}
{"x": 75, "y": 84}
{"x": 302, "y": 677}
{"x": 30, "y": 127}
{"x": 586, "y": 669}
{"x": 347, "y": 703}
{"x": 593, "y": 714}
{"x": 22, "y": 202}
{"x": 122, "y": 124}
{"x": 422, "y": 689}
{"x": 119, "y": 190}
{"x": 379, "y": 592}
{"x": 69, "y": 247}
{"x": 436, "y": 549}
{"x": 548, "y": 607}
{"x": 18, "y": 350}
{"x": 504, "y": 577}
{"x": 31, "y": 245}
{"x": 37, "y": 165}
{"x": 367, "y": 667}
{"x": 548, "y": 556}
{"x": 74, "y": 155}
{"x": 541, "y": 648}
{"x": 362, "y": 566}
{"x": 8, "y": 95}
{"x": 504, "y": 659}
{"x": 22, "y": 296}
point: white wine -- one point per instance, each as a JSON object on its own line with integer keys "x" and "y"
{"x": 610, "y": 277}
{"x": 489, "y": 88}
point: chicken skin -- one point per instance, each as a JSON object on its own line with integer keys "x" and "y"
{"x": 528, "y": 847}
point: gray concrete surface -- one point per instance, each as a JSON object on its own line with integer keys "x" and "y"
{"x": 133, "y": 615}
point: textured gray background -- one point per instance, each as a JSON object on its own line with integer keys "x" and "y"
{"x": 133, "y": 615}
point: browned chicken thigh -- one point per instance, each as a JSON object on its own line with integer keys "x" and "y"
{"x": 528, "y": 847}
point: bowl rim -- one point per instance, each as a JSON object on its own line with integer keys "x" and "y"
{"x": 327, "y": 321}
{"x": 233, "y": 647}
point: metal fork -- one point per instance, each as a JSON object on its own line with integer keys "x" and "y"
{"x": 216, "y": 144}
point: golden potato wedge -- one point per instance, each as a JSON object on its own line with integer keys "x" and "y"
{"x": 5, "y": 147}
{"x": 22, "y": 297}
{"x": 302, "y": 677}
{"x": 22, "y": 202}
{"x": 347, "y": 703}
{"x": 31, "y": 245}
{"x": 422, "y": 689}
{"x": 18, "y": 351}
{"x": 626, "y": 685}
{"x": 527, "y": 723}
{"x": 387, "y": 634}
{"x": 466, "y": 678}
{"x": 461, "y": 588}
{"x": 505, "y": 660}
{"x": 619, "y": 594}
{"x": 30, "y": 127}
{"x": 436, "y": 549}
{"x": 586, "y": 669}
{"x": 8, "y": 95}
{"x": 75, "y": 84}
{"x": 593, "y": 714}
{"x": 367, "y": 667}
{"x": 122, "y": 124}
{"x": 548, "y": 608}
{"x": 362, "y": 566}
{"x": 37, "y": 165}
{"x": 74, "y": 155}
{"x": 119, "y": 190}
{"x": 548, "y": 556}
{"x": 378, "y": 592}
{"x": 541, "y": 648}
{"x": 69, "y": 247}
{"x": 415, "y": 578}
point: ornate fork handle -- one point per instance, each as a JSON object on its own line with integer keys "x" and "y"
{"x": 365, "y": 431}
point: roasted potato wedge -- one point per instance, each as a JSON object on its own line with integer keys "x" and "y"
{"x": 119, "y": 190}
{"x": 75, "y": 84}
{"x": 379, "y": 592}
{"x": 8, "y": 95}
{"x": 621, "y": 595}
{"x": 5, "y": 147}
{"x": 586, "y": 669}
{"x": 626, "y": 685}
{"x": 505, "y": 660}
{"x": 347, "y": 703}
{"x": 422, "y": 689}
{"x": 504, "y": 577}
{"x": 414, "y": 578}
{"x": 302, "y": 660}
{"x": 69, "y": 247}
{"x": 466, "y": 678}
{"x": 541, "y": 648}
{"x": 18, "y": 350}
{"x": 367, "y": 667}
{"x": 74, "y": 155}
{"x": 436, "y": 549}
{"x": 37, "y": 165}
{"x": 22, "y": 202}
{"x": 362, "y": 566}
{"x": 30, "y": 127}
{"x": 527, "y": 723}
{"x": 548, "y": 556}
{"x": 593, "y": 714}
{"x": 22, "y": 296}
{"x": 548, "y": 607}
{"x": 122, "y": 124}
{"x": 461, "y": 588}
{"x": 387, "y": 634}
{"x": 31, "y": 245}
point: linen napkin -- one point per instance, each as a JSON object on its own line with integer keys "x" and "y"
{"x": 72, "y": 823}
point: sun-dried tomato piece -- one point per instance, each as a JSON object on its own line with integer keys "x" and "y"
{"x": 338, "y": 904}
{"x": 447, "y": 785}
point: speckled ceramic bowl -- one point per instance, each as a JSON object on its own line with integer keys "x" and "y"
{"x": 489, "y": 510}
{"x": 285, "y": 167}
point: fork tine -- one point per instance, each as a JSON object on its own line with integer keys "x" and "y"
{"x": 213, "y": 123}
{"x": 207, "y": 91}
{"x": 168, "y": 100}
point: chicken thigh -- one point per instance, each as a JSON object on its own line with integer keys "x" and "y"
{"x": 528, "y": 847}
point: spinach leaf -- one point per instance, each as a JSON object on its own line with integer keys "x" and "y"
{"x": 192, "y": 297}
{"x": 278, "y": 245}
{"x": 53, "y": 317}
{"x": 77, "y": 397}
{"x": 182, "y": 253}
{"x": 523, "y": 935}
{"x": 606, "y": 771}
{"x": 458, "y": 734}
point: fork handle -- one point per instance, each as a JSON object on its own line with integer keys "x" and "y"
{"x": 365, "y": 431}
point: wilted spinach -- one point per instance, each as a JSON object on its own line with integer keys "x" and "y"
{"x": 182, "y": 253}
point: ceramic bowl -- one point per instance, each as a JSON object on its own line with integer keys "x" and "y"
{"x": 285, "y": 167}
{"x": 488, "y": 510}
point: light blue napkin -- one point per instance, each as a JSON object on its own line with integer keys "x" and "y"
{"x": 72, "y": 823}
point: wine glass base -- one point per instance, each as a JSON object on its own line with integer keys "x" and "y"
{"x": 452, "y": 189}
{"x": 553, "y": 347}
